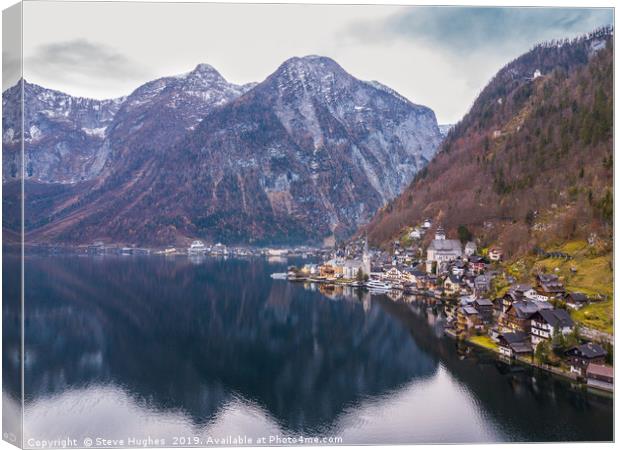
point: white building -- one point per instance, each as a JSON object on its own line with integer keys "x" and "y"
{"x": 352, "y": 266}
{"x": 470, "y": 248}
{"x": 416, "y": 233}
{"x": 495, "y": 254}
{"x": 545, "y": 323}
{"x": 442, "y": 250}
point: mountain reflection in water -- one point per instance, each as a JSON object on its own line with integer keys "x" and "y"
{"x": 165, "y": 346}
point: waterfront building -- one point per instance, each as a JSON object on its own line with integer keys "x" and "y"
{"x": 546, "y": 323}
{"x": 514, "y": 344}
{"x": 600, "y": 376}
{"x": 580, "y": 356}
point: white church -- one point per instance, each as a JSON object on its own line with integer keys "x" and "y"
{"x": 442, "y": 250}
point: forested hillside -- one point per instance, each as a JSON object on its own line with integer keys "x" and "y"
{"x": 531, "y": 164}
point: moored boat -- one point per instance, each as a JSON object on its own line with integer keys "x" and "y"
{"x": 377, "y": 285}
{"x": 279, "y": 276}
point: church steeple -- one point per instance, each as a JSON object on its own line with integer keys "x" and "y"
{"x": 440, "y": 234}
{"x": 366, "y": 257}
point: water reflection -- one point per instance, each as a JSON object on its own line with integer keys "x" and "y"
{"x": 163, "y": 346}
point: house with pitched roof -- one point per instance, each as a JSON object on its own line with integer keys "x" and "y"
{"x": 518, "y": 316}
{"x": 452, "y": 285}
{"x": 580, "y": 356}
{"x": 546, "y": 322}
{"x": 575, "y": 300}
{"x": 600, "y": 376}
{"x": 468, "y": 319}
{"x": 484, "y": 306}
{"x": 549, "y": 284}
{"x": 514, "y": 344}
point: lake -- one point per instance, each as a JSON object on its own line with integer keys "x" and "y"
{"x": 187, "y": 351}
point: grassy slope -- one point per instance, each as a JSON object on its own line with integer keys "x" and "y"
{"x": 484, "y": 341}
{"x": 593, "y": 276}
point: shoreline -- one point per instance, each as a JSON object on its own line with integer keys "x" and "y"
{"x": 567, "y": 376}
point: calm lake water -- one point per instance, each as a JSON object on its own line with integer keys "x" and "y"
{"x": 173, "y": 348}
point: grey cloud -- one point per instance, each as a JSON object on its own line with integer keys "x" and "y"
{"x": 11, "y": 69}
{"x": 470, "y": 29}
{"x": 82, "y": 61}
{"x": 473, "y": 43}
{"x": 11, "y": 46}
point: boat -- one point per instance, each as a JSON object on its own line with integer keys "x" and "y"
{"x": 197, "y": 248}
{"x": 279, "y": 276}
{"x": 376, "y": 285}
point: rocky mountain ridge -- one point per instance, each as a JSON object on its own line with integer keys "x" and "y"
{"x": 308, "y": 154}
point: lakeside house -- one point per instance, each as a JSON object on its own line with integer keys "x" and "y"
{"x": 581, "y": 356}
{"x": 332, "y": 269}
{"x": 309, "y": 269}
{"x": 513, "y": 344}
{"x": 352, "y": 267}
{"x": 467, "y": 319}
{"x": 545, "y": 323}
{"x": 452, "y": 285}
{"x": 484, "y": 306}
{"x": 518, "y": 316}
{"x": 600, "y": 376}
{"x": 221, "y": 250}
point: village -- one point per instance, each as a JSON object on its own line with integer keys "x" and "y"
{"x": 526, "y": 323}
{"x": 484, "y": 305}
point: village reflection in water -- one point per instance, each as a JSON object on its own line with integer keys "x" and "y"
{"x": 160, "y": 345}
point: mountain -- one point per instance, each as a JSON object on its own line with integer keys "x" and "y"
{"x": 70, "y": 139}
{"x": 310, "y": 153}
{"x": 125, "y": 145}
{"x": 532, "y": 161}
{"x": 63, "y": 135}
{"x": 160, "y": 112}
{"x": 445, "y": 129}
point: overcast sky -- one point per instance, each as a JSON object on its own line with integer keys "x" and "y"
{"x": 437, "y": 56}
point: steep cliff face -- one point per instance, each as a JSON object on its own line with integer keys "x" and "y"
{"x": 532, "y": 162}
{"x": 307, "y": 154}
{"x": 71, "y": 139}
{"x": 128, "y": 148}
{"x": 63, "y": 135}
{"x": 160, "y": 112}
{"x": 310, "y": 153}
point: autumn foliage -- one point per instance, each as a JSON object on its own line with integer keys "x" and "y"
{"x": 532, "y": 161}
